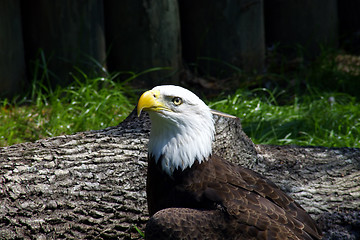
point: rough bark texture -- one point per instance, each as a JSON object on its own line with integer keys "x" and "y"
{"x": 92, "y": 184}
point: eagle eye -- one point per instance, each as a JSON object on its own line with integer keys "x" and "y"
{"x": 177, "y": 101}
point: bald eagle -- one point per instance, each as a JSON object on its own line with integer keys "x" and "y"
{"x": 194, "y": 194}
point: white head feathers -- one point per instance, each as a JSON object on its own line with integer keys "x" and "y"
{"x": 183, "y": 131}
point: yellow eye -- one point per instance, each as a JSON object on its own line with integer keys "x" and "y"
{"x": 177, "y": 101}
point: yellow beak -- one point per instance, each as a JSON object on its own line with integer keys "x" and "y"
{"x": 149, "y": 101}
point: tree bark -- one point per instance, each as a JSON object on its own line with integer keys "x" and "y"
{"x": 92, "y": 184}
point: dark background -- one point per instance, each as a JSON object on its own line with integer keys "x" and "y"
{"x": 110, "y": 35}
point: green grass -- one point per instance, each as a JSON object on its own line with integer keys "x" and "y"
{"x": 311, "y": 103}
{"x": 317, "y": 118}
{"x": 88, "y": 103}
{"x": 294, "y": 112}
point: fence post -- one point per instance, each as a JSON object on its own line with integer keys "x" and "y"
{"x": 229, "y": 31}
{"x": 71, "y": 33}
{"x": 349, "y": 25}
{"x": 306, "y": 22}
{"x": 12, "y": 63}
{"x": 144, "y": 34}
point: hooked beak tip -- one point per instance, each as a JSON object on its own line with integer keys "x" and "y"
{"x": 147, "y": 101}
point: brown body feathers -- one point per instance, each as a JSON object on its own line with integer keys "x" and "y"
{"x": 219, "y": 200}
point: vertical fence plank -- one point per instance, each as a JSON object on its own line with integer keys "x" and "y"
{"x": 70, "y": 32}
{"x": 12, "y": 64}
{"x": 305, "y": 22}
{"x": 144, "y": 34}
{"x": 231, "y": 31}
{"x": 349, "y": 25}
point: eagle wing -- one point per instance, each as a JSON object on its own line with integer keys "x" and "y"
{"x": 252, "y": 200}
{"x": 189, "y": 223}
{"x": 221, "y": 200}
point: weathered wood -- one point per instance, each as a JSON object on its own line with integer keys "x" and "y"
{"x": 349, "y": 25}
{"x": 70, "y": 33}
{"x": 325, "y": 181}
{"x": 307, "y": 23}
{"x": 144, "y": 34}
{"x": 228, "y": 32}
{"x": 92, "y": 184}
{"x": 349, "y": 19}
{"x": 12, "y": 62}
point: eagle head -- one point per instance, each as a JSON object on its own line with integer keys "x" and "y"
{"x": 182, "y": 127}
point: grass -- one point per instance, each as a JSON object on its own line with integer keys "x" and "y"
{"x": 318, "y": 119}
{"x": 310, "y": 103}
{"x": 88, "y": 103}
{"x": 292, "y": 112}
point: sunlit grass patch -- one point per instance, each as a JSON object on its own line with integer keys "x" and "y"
{"x": 323, "y": 119}
{"x": 87, "y": 104}
{"x": 311, "y": 103}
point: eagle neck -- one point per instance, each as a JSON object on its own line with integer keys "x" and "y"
{"x": 178, "y": 145}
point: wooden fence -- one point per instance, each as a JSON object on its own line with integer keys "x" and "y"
{"x": 136, "y": 35}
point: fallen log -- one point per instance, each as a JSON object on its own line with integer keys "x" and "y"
{"x": 92, "y": 184}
